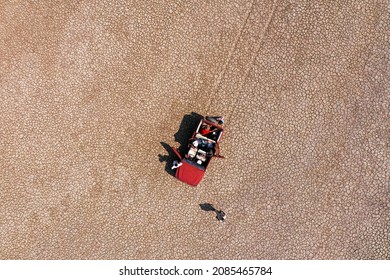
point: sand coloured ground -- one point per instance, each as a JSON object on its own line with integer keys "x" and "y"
{"x": 92, "y": 92}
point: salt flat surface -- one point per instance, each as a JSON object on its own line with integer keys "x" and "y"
{"x": 90, "y": 89}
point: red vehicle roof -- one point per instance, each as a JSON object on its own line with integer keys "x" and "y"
{"x": 190, "y": 173}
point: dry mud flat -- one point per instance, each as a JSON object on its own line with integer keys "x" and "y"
{"x": 90, "y": 89}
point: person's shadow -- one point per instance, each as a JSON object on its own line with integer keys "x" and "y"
{"x": 207, "y": 207}
{"x": 186, "y": 129}
{"x": 221, "y": 216}
{"x": 169, "y": 158}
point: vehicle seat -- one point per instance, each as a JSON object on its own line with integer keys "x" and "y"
{"x": 192, "y": 152}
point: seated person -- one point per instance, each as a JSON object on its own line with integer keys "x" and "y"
{"x": 205, "y": 143}
{"x": 192, "y": 152}
{"x": 193, "y": 149}
{"x": 210, "y": 152}
{"x": 207, "y": 129}
{"x": 201, "y": 155}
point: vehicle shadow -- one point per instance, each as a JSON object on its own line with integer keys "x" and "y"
{"x": 169, "y": 158}
{"x": 186, "y": 129}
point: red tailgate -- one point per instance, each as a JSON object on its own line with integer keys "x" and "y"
{"x": 190, "y": 173}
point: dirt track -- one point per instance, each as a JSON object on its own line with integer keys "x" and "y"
{"x": 90, "y": 89}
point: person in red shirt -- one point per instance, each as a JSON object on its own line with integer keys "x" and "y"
{"x": 206, "y": 129}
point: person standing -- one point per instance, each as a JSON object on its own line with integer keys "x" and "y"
{"x": 221, "y": 216}
{"x": 176, "y": 164}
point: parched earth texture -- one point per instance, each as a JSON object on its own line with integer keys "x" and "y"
{"x": 93, "y": 92}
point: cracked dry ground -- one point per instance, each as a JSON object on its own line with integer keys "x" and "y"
{"x": 89, "y": 89}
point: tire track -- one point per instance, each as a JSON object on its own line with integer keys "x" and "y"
{"x": 222, "y": 73}
{"x": 241, "y": 59}
{"x": 271, "y": 17}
